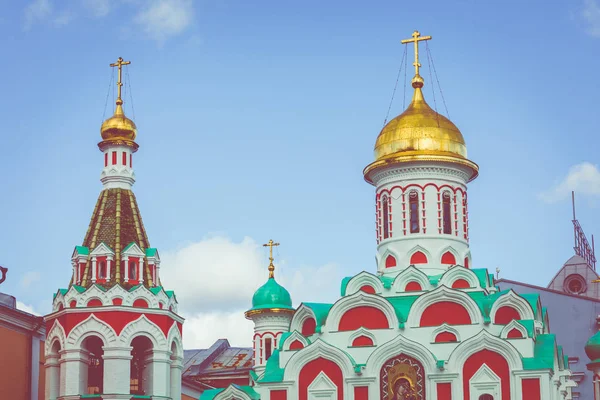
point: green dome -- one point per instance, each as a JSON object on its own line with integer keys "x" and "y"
{"x": 271, "y": 295}
{"x": 592, "y": 347}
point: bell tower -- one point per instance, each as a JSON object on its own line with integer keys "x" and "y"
{"x": 420, "y": 173}
{"x": 115, "y": 331}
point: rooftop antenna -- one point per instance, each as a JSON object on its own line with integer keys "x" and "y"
{"x": 582, "y": 246}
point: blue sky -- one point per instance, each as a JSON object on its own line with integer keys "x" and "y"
{"x": 255, "y": 120}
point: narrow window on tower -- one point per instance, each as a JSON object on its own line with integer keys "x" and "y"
{"x": 132, "y": 271}
{"x": 124, "y": 158}
{"x": 267, "y": 348}
{"x": 130, "y": 161}
{"x": 114, "y": 158}
{"x": 102, "y": 270}
{"x": 386, "y": 216}
{"x": 413, "y": 201}
{"x": 106, "y": 159}
{"x": 447, "y": 213}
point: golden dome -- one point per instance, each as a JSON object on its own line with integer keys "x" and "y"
{"x": 420, "y": 134}
{"x": 118, "y": 129}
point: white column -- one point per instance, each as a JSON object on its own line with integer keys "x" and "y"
{"x": 176, "y": 372}
{"x": 126, "y": 262}
{"x": 52, "y": 377}
{"x": 160, "y": 371}
{"x": 117, "y": 370}
{"x": 156, "y": 273}
{"x": 109, "y": 262}
{"x": 141, "y": 270}
{"x": 72, "y": 364}
{"x": 94, "y": 269}
{"x": 75, "y": 269}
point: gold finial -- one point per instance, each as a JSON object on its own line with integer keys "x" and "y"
{"x": 270, "y": 245}
{"x": 417, "y": 81}
{"x": 119, "y": 64}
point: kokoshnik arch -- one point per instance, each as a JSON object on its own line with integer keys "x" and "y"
{"x": 426, "y": 324}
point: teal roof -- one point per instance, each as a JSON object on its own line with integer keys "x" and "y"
{"x": 80, "y": 289}
{"x": 82, "y": 250}
{"x": 170, "y": 293}
{"x": 273, "y": 372}
{"x": 150, "y": 252}
{"x": 212, "y": 393}
{"x": 387, "y": 281}
{"x": 528, "y": 324}
{"x": 321, "y": 310}
{"x": 482, "y": 276}
{"x": 345, "y": 285}
{"x": 128, "y": 247}
{"x": 402, "y": 305}
{"x": 544, "y": 353}
{"x": 271, "y": 295}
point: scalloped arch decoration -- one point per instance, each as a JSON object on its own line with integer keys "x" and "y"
{"x": 143, "y": 327}
{"x": 448, "y": 258}
{"x": 56, "y": 333}
{"x": 91, "y": 326}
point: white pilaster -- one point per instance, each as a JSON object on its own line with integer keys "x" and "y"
{"x": 73, "y": 370}
{"x": 125, "y": 261}
{"x": 116, "y": 369}
{"x": 160, "y": 371}
{"x": 176, "y": 372}
{"x": 53, "y": 380}
{"x": 94, "y": 269}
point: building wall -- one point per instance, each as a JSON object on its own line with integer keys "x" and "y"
{"x": 13, "y": 374}
{"x": 573, "y": 321}
{"x": 42, "y": 373}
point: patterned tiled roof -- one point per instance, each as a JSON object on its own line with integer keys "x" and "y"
{"x": 116, "y": 222}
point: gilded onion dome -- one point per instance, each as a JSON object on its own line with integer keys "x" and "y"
{"x": 118, "y": 129}
{"x": 419, "y": 133}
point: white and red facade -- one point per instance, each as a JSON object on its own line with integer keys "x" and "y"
{"x": 115, "y": 332}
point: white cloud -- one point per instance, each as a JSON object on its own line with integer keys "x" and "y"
{"x": 29, "y": 278}
{"x": 203, "y": 329}
{"x": 99, "y": 8}
{"x": 38, "y": 10}
{"x": 591, "y": 16}
{"x": 162, "y": 19}
{"x": 582, "y": 178}
{"x": 27, "y": 308}
{"x": 214, "y": 280}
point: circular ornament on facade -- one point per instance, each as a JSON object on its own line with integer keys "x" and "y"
{"x": 575, "y": 284}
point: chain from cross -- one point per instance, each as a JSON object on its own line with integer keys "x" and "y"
{"x": 270, "y": 245}
{"x": 119, "y": 64}
{"x": 416, "y": 39}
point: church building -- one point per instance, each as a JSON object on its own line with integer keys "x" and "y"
{"x": 114, "y": 332}
{"x": 427, "y": 323}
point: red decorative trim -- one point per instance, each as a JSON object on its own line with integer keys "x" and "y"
{"x": 361, "y": 393}
{"x": 445, "y": 312}
{"x": 309, "y": 327}
{"x": 94, "y": 303}
{"x": 296, "y": 345}
{"x": 140, "y": 303}
{"x": 363, "y": 316}
{"x": 460, "y": 284}
{"x": 312, "y": 369}
{"x": 106, "y": 159}
{"x": 362, "y": 341}
{"x": 279, "y": 394}
{"x": 495, "y": 362}
{"x": 367, "y": 289}
{"x": 444, "y": 391}
{"x": 466, "y": 262}
{"x": 445, "y": 337}
{"x": 117, "y": 301}
{"x": 531, "y": 389}
{"x": 418, "y": 258}
{"x": 413, "y": 286}
{"x": 448, "y": 258}
{"x": 73, "y": 304}
{"x": 390, "y": 261}
{"x": 514, "y": 333}
{"x": 505, "y": 315}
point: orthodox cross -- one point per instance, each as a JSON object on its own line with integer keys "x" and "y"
{"x": 270, "y": 245}
{"x": 416, "y": 39}
{"x": 3, "y": 272}
{"x": 119, "y": 64}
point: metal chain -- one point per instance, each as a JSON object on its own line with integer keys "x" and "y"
{"x": 112, "y": 78}
{"x": 130, "y": 91}
{"x": 438, "y": 83}
{"x": 395, "y": 87}
{"x": 432, "y": 87}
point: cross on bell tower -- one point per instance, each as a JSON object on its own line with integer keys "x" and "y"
{"x": 416, "y": 38}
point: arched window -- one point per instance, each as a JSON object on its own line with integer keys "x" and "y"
{"x": 95, "y": 365}
{"x": 102, "y": 270}
{"x": 133, "y": 270}
{"x": 390, "y": 261}
{"x": 268, "y": 348}
{"x": 141, "y": 354}
{"x": 413, "y": 202}
{"x": 486, "y": 397}
{"x": 446, "y": 213}
{"x": 386, "y": 216}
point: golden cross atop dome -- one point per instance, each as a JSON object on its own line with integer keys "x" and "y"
{"x": 119, "y": 64}
{"x": 416, "y": 39}
{"x": 270, "y": 245}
